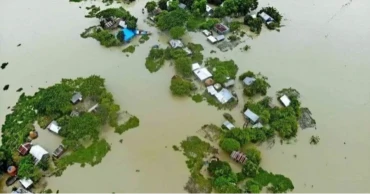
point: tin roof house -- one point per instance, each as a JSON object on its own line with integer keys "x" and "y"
{"x": 38, "y": 153}
{"x": 221, "y": 28}
{"x": 285, "y": 100}
{"x": 76, "y": 98}
{"x": 53, "y": 127}
{"x": 239, "y": 157}
{"x": 248, "y": 81}
{"x": 26, "y": 183}
{"x": 202, "y": 73}
{"x": 228, "y": 125}
{"x": 24, "y": 148}
{"x": 251, "y": 116}
{"x": 224, "y": 96}
{"x": 175, "y": 43}
{"x": 268, "y": 19}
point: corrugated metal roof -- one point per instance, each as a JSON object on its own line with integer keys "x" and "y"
{"x": 285, "y": 100}
{"x": 202, "y": 73}
{"x": 251, "y": 115}
{"x": 249, "y": 80}
{"x": 228, "y": 125}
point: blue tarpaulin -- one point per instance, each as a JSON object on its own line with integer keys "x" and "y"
{"x": 128, "y": 34}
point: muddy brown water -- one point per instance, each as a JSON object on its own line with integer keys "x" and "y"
{"x": 322, "y": 51}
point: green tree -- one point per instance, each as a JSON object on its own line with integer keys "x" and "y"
{"x": 177, "y": 32}
{"x": 150, "y": 6}
{"x": 255, "y": 24}
{"x": 234, "y": 26}
{"x": 183, "y": 66}
{"x": 238, "y": 134}
{"x": 209, "y": 24}
{"x": 229, "y": 145}
{"x": 250, "y": 169}
{"x": 55, "y": 100}
{"x": 5, "y": 159}
{"x": 222, "y": 69}
{"x": 180, "y": 87}
{"x": 131, "y": 24}
{"x": 253, "y": 154}
{"x": 225, "y": 185}
{"x": 162, "y": 4}
{"x": 253, "y": 186}
{"x": 219, "y": 168}
{"x": 173, "y": 5}
{"x": 199, "y": 6}
{"x": 84, "y": 127}
{"x": 27, "y": 168}
{"x": 256, "y": 135}
{"x": 168, "y": 20}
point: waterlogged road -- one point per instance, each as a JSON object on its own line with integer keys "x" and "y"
{"x": 322, "y": 51}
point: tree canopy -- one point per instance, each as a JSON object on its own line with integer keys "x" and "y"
{"x": 177, "y": 32}
{"x": 253, "y": 154}
{"x": 183, "y": 66}
{"x": 150, "y": 6}
{"x": 55, "y": 100}
{"x": 236, "y": 7}
{"x": 222, "y": 70}
{"x": 219, "y": 168}
{"x": 28, "y": 169}
{"x": 180, "y": 86}
{"x": 230, "y": 145}
{"x": 168, "y": 20}
{"x": 162, "y": 4}
{"x": 250, "y": 169}
{"x": 255, "y": 24}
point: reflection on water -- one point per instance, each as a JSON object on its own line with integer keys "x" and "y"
{"x": 325, "y": 59}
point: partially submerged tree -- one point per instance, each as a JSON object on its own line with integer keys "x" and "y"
{"x": 180, "y": 86}
{"x": 150, "y": 6}
{"x": 229, "y": 145}
{"x": 177, "y": 32}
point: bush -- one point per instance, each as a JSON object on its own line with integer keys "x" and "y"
{"x": 233, "y": 38}
{"x": 209, "y": 24}
{"x": 253, "y": 186}
{"x": 250, "y": 169}
{"x": 238, "y": 134}
{"x": 229, "y": 145}
{"x": 219, "y": 168}
{"x": 234, "y": 26}
{"x": 253, "y": 154}
{"x": 255, "y": 24}
{"x": 180, "y": 86}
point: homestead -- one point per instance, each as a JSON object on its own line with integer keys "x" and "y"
{"x": 38, "y": 153}
{"x": 251, "y": 116}
{"x": 239, "y": 157}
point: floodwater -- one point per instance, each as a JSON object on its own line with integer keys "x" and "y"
{"x": 322, "y": 51}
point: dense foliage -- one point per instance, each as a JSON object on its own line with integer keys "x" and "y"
{"x": 155, "y": 60}
{"x": 234, "y": 7}
{"x": 167, "y": 20}
{"x": 103, "y": 36}
{"x": 253, "y": 154}
{"x": 229, "y": 145}
{"x": 27, "y": 169}
{"x": 180, "y": 86}
{"x": 183, "y": 66}
{"x": 162, "y": 4}
{"x": 255, "y": 24}
{"x": 259, "y": 86}
{"x": 150, "y": 6}
{"x": 131, "y": 123}
{"x": 177, "y": 32}
{"x": 222, "y": 70}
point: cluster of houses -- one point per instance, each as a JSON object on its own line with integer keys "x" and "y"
{"x": 221, "y": 29}
{"x": 127, "y": 33}
{"x": 38, "y": 152}
{"x": 220, "y": 92}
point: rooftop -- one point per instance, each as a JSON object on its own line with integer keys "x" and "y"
{"x": 224, "y": 96}
{"x": 285, "y": 100}
{"x": 26, "y": 183}
{"x": 54, "y": 127}
{"x": 251, "y": 115}
{"x": 38, "y": 152}
{"x": 77, "y": 96}
{"x": 228, "y": 125}
{"x": 182, "y": 6}
{"x": 211, "y": 39}
{"x": 211, "y": 90}
{"x": 229, "y": 83}
{"x": 221, "y": 27}
{"x": 202, "y": 73}
{"x": 128, "y": 34}
{"x": 248, "y": 80}
{"x": 195, "y": 66}
{"x": 175, "y": 43}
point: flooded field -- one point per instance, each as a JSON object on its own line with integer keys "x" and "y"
{"x": 322, "y": 51}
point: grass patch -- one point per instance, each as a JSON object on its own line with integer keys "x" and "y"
{"x": 144, "y": 38}
{"x": 131, "y": 123}
{"x": 92, "y": 155}
{"x": 129, "y": 49}
{"x": 197, "y": 98}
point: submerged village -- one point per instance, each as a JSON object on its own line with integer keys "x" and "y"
{"x": 78, "y": 110}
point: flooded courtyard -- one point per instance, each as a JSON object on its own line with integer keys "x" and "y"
{"x": 322, "y": 52}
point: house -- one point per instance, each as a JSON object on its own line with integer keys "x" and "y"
{"x": 212, "y": 39}
{"x": 221, "y": 28}
{"x": 182, "y": 6}
{"x": 76, "y": 98}
{"x": 239, "y": 157}
{"x": 285, "y": 100}
{"x": 20, "y": 190}
{"x": 24, "y": 149}
{"x": 202, "y": 73}
{"x": 128, "y": 34}
{"x": 122, "y": 24}
{"x": 53, "y": 127}
{"x": 187, "y": 50}
{"x": 26, "y": 183}
{"x": 229, "y": 83}
{"x": 248, "y": 81}
{"x": 224, "y": 96}
{"x": 251, "y": 116}
{"x": 206, "y": 33}
{"x": 220, "y": 38}
{"x": 228, "y": 125}
{"x": 268, "y": 19}
{"x": 195, "y": 66}
{"x": 175, "y": 43}
{"x": 257, "y": 126}
{"x": 211, "y": 90}
{"x": 107, "y": 22}
{"x": 38, "y": 153}
{"x": 59, "y": 151}
{"x": 209, "y": 10}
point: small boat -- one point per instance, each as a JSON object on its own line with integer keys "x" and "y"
{"x": 11, "y": 180}
{"x": 142, "y": 32}
{"x": 59, "y": 151}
